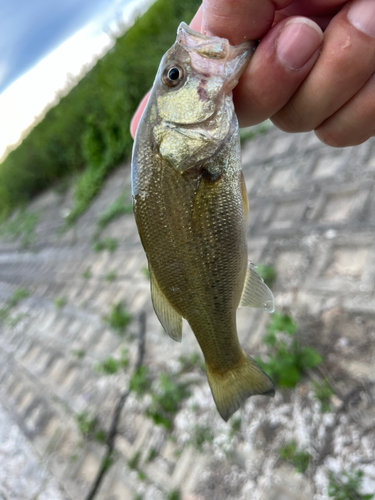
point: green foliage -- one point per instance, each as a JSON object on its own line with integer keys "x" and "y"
{"x": 166, "y": 401}
{"x": 60, "y": 302}
{"x": 13, "y": 321}
{"x": 111, "y": 365}
{"x": 87, "y": 274}
{"x": 22, "y": 225}
{"x": 89, "y": 128}
{"x": 235, "y": 425}
{"x": 119, "y": 318}
{"x": 323, "y": 392}
{"x": 139, "y": 382}
{"x": 134, "y": 461}
{"x": 151, "y": 455}
{"x": 289, "y": 359}
{"x": 100, "y": 436}
{"x": 4, "y": 313}
{"x": 300, "y": 459}
{"x": 190, "y": 363}
{"x": 109, "y": 244}
{"x": 108, "y": 461}
{"x": 111, "y": 276}
{"x": 174, "y": 495}
{"x": 121, "y": 206}
{"x": 146, "y": 273}
{"x": 347, "y": 486}
{"x": 18, "y": 295}
{"x": 267, "y": 273}
{"x": 201, "y": 434}
{"x": 78, "y": 353}
{"x": 87, "y": 424}
{"x": 249, "y": 133}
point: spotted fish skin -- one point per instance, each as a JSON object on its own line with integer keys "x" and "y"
{"x": 190, "y": 206}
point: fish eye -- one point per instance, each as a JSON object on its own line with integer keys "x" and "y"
{"x": 172, "y": 75}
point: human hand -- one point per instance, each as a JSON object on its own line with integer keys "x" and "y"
{"x": 299, "y": 78}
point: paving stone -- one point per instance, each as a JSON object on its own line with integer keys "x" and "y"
{"x": 312, "y": 216}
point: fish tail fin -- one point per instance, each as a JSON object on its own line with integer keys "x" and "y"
{"x": 231, "y": 388}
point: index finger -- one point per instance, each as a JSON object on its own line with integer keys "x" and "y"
{"x": 239, "y": 20}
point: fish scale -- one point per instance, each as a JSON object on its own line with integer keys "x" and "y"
{"x": 190, "y": 206}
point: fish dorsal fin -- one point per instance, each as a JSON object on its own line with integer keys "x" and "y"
{"x": 256, "y": 293}
{"x": 168, "y": 317}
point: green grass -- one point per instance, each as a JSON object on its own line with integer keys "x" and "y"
{"x": 174, "y": 495}
{"x": 191, "y": 362}
{"x": 121, "y": 206}
{"x": 112, "y": 365}
{"x": 139, "y": 382}
{"x": 4, "y": 313}
{"x": 118, "y": 318}
{"x": 288, "y": 360}
{"x": 78, "y": 353}
{"x": 60, "y": 302}
{"x": 18, "y": 295}
{"x": 87, "y": 274}
{"x": 347, "y": 486}
{"x": 166, "y": 400}
{"x": 151, "y": 455}
{"x": 111, "y": 276}
{"x": 267, "y": 273}
{"x": 298, "y": 458}
{"x": 250, "y": 133}
{"x": 22, "y": 225}
{"x": 109, "y": 244}
{"x": 13, "y": 321}
{"x": 323, "y": 392}
{"x": 87, "y": 133}
{"x": 133, "y": 461}
{"x": 201, "y": 434}
{"x": 146, "y": 273}
{"x": 235, "y": 425}
{"x": 87, "y": 424}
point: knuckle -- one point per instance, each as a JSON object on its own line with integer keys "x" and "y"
{"x": 289, "y": 120}
{"x": 339, "y": 138}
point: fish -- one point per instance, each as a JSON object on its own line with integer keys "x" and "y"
{"x": 190, "y": 205}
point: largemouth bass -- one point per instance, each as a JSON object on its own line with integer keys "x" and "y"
{"x": 190, "y": 205}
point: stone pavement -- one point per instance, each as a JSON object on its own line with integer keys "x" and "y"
{"x": 312, "y": 215}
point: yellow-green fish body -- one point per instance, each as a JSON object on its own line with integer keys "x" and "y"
{"x": 190, "y": 205}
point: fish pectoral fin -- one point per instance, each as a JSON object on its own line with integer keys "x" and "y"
{"x": 168, "y": 317}
{"x": 256, "y": 293}
{"x": 231, "y": 388}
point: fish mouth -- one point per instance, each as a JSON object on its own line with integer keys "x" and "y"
{"x": 215, "y": 56}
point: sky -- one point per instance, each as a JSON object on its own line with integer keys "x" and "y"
{"x": 44, "y": 46}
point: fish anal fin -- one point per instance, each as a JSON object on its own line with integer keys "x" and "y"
{"x": 168, "y": 317}
{"x": 231, "y": 388}
{"x": 256, "y": 293}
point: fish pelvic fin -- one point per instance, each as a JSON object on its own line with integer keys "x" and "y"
{"x": 231, "y": 388}
{"x": 256, "y": 293}
{"x": 170, "y": 319}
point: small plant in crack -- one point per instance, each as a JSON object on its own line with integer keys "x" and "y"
{"x": 347, "y": 486}
{"x": 300, "y": 459}
{"x": 288, "y": 360}
{"x": 118, "y": 318}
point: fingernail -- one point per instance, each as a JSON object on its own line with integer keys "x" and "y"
{"x": 298, "y": 41}
{"x": 362, "y": 16}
